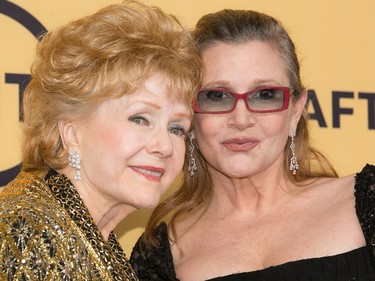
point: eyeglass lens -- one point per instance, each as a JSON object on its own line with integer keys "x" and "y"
{"x": 258, "y": 100}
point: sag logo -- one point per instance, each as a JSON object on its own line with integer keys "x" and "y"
{"x": 32, "y": 25}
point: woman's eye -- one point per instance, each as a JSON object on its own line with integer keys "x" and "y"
{"x": 138, "y": 120}
{"x": 215, "y": 95}
{"x": 177, "y": 130}
{"x": 265, "y": 94}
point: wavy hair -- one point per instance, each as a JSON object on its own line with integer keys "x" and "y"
{"x": 99, "y": 57}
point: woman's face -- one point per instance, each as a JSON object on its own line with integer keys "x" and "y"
{"x": 243, "y": 143}
{"x": 133, "y": 147}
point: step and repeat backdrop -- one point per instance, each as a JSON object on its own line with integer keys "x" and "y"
{"x": 335, "y": 41}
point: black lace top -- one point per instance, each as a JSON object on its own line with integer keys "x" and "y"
{"x": 357, "y": 265}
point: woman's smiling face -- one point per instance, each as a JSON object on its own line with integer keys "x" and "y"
{"x": 133, "y": 147}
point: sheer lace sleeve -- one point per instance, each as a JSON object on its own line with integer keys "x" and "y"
{"x": 154, "y": 263}
{"x": 365, "y": 205}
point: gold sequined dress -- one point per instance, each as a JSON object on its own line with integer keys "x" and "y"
{"x": 47, "y": 233}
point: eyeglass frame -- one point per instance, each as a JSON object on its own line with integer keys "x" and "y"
{"x": 286, "y": 92}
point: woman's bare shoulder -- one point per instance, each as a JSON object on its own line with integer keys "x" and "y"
{"x": 330, "y": 185}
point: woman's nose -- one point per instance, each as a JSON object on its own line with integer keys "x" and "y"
{"x": 241, "y": 117}
{"x": 161, "y": 144}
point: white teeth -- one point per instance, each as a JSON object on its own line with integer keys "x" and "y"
{"x": 152, "y": 173}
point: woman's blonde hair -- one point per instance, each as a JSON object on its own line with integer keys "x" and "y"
{"x": 99, "y": 57}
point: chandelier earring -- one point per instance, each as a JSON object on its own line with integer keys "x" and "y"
{"x": 294, "y": 166}
{"x": 192, "y": 165}
{"x": 75, "y": 162}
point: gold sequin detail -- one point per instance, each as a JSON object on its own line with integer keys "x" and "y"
{"x": 47, "y": 233}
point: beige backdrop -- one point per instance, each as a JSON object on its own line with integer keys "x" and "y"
{"x": 335, "y": 41}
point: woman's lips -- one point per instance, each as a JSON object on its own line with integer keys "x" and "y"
{"x": 149, "y": 172}
{"x": 240, "y": 145}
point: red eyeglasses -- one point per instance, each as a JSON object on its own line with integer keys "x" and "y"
{"x": 262, "y": 100}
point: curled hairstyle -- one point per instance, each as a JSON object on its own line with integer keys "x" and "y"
{"x": 96, "y": 58}
{"x": 237, "y": 27}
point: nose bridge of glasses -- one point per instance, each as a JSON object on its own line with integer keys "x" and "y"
{"x": 243, "y": 98}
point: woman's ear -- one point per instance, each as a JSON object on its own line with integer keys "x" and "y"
{"x": 68, "y": 134}
{"x": 298, "y": 108}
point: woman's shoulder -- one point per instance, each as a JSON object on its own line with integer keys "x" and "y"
{"x": 358, "y": 186}
{"x": 33, "y": 224}
{"x": 154, "y": 262}
{"x": 365, "y": 179}
{"x": 26, "y": 194}
{"x": 362, "y": 181}
{"x": 28, "y": 206}
{"x": 144, "y": 250}
{"x": 365, "y": 204}
{"x": 26, "y": 201}
{"x": 365, "y": 188}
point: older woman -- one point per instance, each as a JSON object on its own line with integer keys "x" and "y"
{"x": 105, "y": 119}
{"x": 258, "y": 202}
